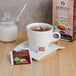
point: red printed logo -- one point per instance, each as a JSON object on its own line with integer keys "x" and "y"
{"x": 62, "y": 3}
{"x": 41, "y": 49}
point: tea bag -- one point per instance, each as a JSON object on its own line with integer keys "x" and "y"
{"x": 41, "y": 28}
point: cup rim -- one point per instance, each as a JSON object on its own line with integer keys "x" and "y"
{"x": 39, "y": 24}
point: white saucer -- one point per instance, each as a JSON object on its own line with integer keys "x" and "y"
{"x": 38, "y": 56}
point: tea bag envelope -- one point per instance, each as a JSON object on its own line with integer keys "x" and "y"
{"x": 21, "y": 56}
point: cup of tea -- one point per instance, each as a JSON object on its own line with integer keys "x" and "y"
{"x": 40, "y": 35}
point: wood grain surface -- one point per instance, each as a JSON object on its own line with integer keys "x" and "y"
{"x": 59, "y": 63}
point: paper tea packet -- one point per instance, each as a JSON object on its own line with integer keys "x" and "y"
{"x": 20, "y": 57}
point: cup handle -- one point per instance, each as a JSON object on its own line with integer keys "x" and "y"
{"x": 56, "y": 39}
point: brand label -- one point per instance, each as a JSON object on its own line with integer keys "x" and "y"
{"x": 62, "y": 12}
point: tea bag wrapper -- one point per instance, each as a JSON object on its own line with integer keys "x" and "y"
{"x": 20, "y": 57}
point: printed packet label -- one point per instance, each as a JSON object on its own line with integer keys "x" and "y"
{"x": 20, "y": 57}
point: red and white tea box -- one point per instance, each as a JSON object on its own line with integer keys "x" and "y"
{"x": 64, "y": 18}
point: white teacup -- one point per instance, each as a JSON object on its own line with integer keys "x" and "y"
{"x": 40, "y": 40}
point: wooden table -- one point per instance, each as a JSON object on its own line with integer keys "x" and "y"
{"x": 60, "y": 63}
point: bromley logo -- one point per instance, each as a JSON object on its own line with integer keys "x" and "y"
{"x": 62, "y": 3}
{"x": 62, "y": 6}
